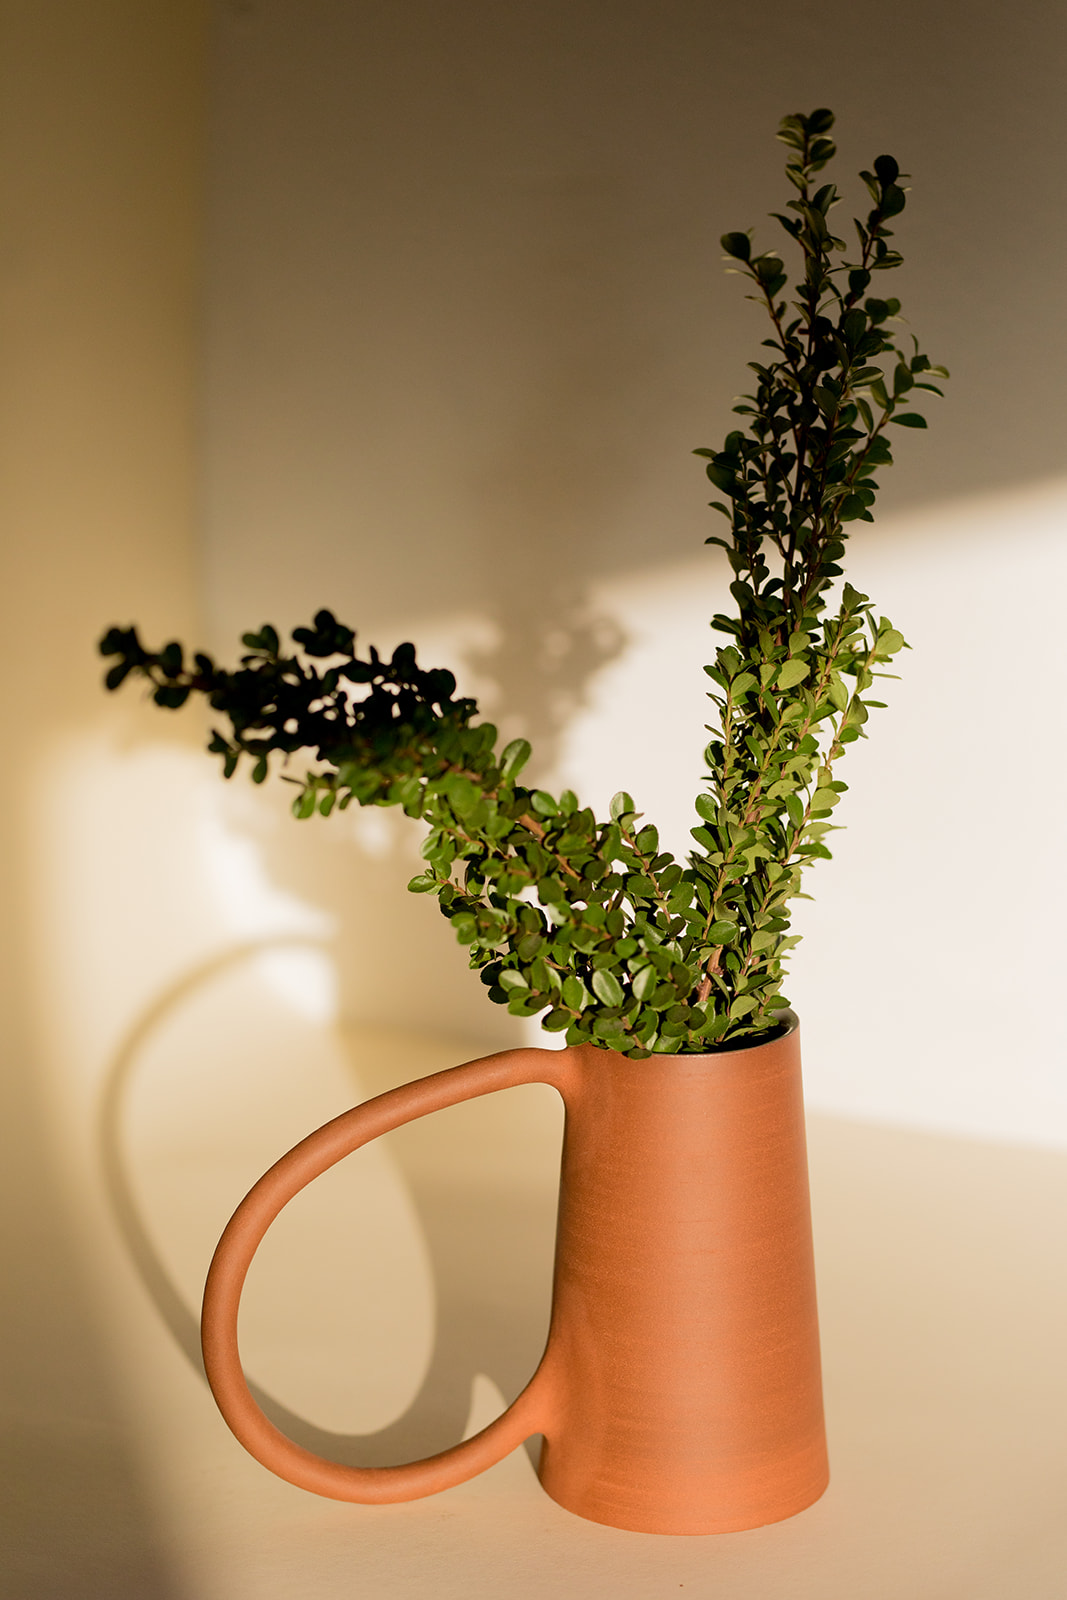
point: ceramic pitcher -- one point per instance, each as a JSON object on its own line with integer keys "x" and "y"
{"x": 680, "y": 1389}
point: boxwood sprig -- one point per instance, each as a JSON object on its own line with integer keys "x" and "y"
{"x": 587, "y": 922}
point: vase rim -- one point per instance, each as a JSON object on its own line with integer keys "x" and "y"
{"x": 787, "y": 1024}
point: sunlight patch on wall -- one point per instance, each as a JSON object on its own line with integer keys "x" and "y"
{"x": 147, "y": 873}
{"x": 250, "y": 907}
{"x": 930, "y": 976}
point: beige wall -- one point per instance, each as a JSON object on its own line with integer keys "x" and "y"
{"x": 101, "y": 110}
{"x": 467, "y": 319}
{"x": 463, "y": 321}
{"x": 467, "y": 315}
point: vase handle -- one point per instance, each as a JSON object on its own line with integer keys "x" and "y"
{"x": 241, "y": 1239}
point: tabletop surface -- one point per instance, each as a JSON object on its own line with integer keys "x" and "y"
{"x": 404, "y": 1298}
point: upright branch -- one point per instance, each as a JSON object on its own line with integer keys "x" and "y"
{"x": 793, "y": 681}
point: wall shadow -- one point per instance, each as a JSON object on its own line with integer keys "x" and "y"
{"x": 490, "y": 1256}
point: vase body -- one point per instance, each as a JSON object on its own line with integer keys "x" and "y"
{"x": 683, "y": 1357}
{"x": 680, "y": 1388}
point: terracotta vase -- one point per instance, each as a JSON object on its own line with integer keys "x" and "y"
{"x": 680, "y": 1388}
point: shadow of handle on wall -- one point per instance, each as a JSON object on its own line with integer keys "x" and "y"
{"x": 491, "y": 1282}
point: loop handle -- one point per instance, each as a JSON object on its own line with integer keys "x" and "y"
{"x": 242, "y": 1237}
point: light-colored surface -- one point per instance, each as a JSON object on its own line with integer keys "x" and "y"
{"x": 531, "y": 404}
{"x": 466, "y": 320}
{"x": 908, "y": 893}
{"x": 943, "y": 1308}
{"x": 101, "y": 146}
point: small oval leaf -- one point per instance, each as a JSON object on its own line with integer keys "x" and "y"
{"x": 607, "y": 988}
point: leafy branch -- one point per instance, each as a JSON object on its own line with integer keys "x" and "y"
{"x": 588, "y": 922}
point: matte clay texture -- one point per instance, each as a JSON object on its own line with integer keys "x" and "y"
{"x": 680, "y": 1388}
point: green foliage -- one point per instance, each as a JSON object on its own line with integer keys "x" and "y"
{"x": 585, "y": 922}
